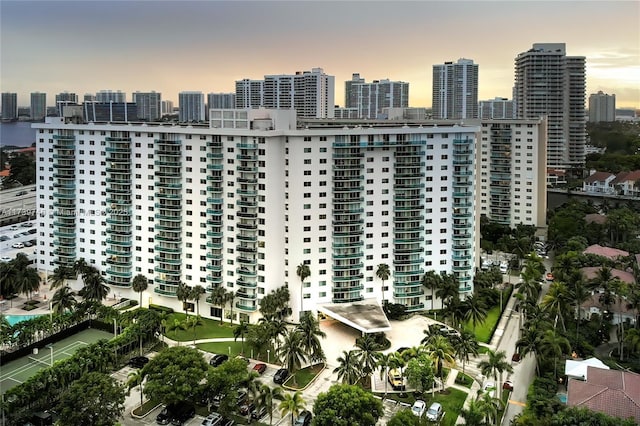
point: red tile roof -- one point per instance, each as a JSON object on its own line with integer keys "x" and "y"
{"x": 608, "y": 252}
{"x": 613, "y": 392}
{"x": 598, "y": 177}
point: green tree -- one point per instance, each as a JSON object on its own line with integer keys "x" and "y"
{"x": 139, "y": 285}
{"x": 291, "y": 352}
{"x": 347, "y": 405}
{"x": 174, "y": 374}
{"x": 94, "y": 399}
{"x": 382, "y": 272}
{"x": 293, "y": 404}
{"x": 419, "y": 373}
{"x": 495, "y": 366}
{"x": 303, "y": 273}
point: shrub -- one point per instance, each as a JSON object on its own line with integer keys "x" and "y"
{"x": 160, "y": 308}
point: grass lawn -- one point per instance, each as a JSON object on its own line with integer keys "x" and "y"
{"x": 452, "y": 401}
{"x": 304, "y": 376}
{"x": 222, "y": 347}
{"x": 207, "y": 330}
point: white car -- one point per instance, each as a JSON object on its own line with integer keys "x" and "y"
{"x": 490, "y": 388}
{"x": 418, "y": 407}
{"x": 17, "y": 245}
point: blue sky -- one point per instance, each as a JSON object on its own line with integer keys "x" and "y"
{"x": 170, "y": 46}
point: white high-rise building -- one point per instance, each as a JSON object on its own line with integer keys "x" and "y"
{"x": 512, "y": 171}
{"x": 371, "y": 98}
{"x": 243, "y": 207}
{"x": 455, "y": 90}
{"x": 550, "y": 83}
{"x": 496, "y": 108}
{"x": 105, "y": 96}
{"x": 148, "y": 105}
{"x": 38, "y": 109}
{"x": 602, "y": 107}
{"x": 310, "y": 93}
{"x": 191, "y": 106}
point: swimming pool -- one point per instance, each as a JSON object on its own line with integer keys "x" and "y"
{"x": 14, "y": 319}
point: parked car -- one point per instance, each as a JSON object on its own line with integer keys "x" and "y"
{"x": 418, "y": 407}
{"x": 280, "y": 376}
{"x": 218, "y": 359}
{"x": 260, "y": 368}
{"x": 304, "y": 418}
{"x": 138, "y": 361}
{"x": 508, "y": 385}
{"x": 259, "y": 413}
{"x": 434, "y": 413}
{"x": 17, "y": 245}
{"x": 213, "y": 419}
{"x": 395, "y": 379}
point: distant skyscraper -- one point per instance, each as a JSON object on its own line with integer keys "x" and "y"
{"x": 167, "y": 107}
{"x": 455, "y": 90}
{"x": 148, "y": 105}
{"x": 111, "y": 96}
{"x": 38, "y": 105}
{"x": 602, "y": 107}
{"x": 221, "y": 100}
{"x": 65, "y": 98}
{"x": 371, "y": 98}
{"x": 548, "y": 82}
{"x": 191, "y": 106}
{"x": 310, "y": 93}
{"x": 9, "y": 106}
{"x": 496, "y": 108}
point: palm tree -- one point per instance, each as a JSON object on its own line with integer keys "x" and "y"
{"x": 136, "y": 378}
{"x": 309, "y": 328}
{"x": 347, "y": 369}
{"x": 440, "y": 352}
{"x": 303, "y": 272}
{"x": 292, "y": 404}
{"x": 475, "y": 310}
{"x": 266, "y": 397}
{"x": 291, "y": 352}
{"x": 219, "y": 298}
{"x": 63, "y": 299}
{"x": 383, "y": 273}
{"x": 59, "y": 277}
{"x": 553, "y": 346}
{"x": 557, "y": 301}
{"x": 495, "y": 366}
{"x": 196, "y": 292}
{"x": 464, "y": 346}
{"x": 431, "y": 280}
{"x": 140, "y": 284}
{"x": 367, "y": 354}
{"x": 94, "y": 286}
{"x": 239, "y": 331}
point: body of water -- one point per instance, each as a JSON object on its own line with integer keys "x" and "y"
{"x": 18, "y": 133}
{"x": 14, "y": 319}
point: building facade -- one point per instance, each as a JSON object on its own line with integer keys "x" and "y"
{"x": 496, "y": 108}
{"x": 602, "y": 107}
{"x": 191, "y": 105}
{"x": 148, "y": 105}
{"x": 9, "y": 106}
{"x": 548, "y": 82}
{"x": 512, "y": 173}
{"x": 310, "y": 93}
{"x": 455, "y": 90}
{"x": 38, "y": 105}
{"x": 242, "y": 207}
{"x": 371, "y": 98}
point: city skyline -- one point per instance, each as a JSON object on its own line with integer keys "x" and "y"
{"x": 171, "y": 47}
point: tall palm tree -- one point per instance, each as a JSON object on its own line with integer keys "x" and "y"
{"x": 303, "y": 272}
{"x": 475, "y": 310}
{"x": 440, "y": 352}
{"x": 266, "y": 398}
{"x": 311, "y": 334}
{"x": 553, "y": 346}
{"x": 94, "y": 286}
{"x": 383, "y": 273}
{"x": 557, "y": 301}
{"x": 219, "y": 298}
{"x": 367, "y": 354}
{"x": 60, "y": 276}
{"x": 239, "y": 331}
{"x": 139, "y": 284}
{"x": 347, "y": 369}
{"x": 495, "y": 366}
{"x": 293, "y": 404}
{"x": 291, "y": 352}
{"x": 63, "y": 299}
{"x": 195, "y": 293}
{"x": 464, "y": 346}
{"x": 431, "y": 280}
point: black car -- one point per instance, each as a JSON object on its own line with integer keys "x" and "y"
{"x": 280, "y": 376}
{"x": 304, "y": 419}
{"x": 218, "y": 359}
{"x": 138, "y": 361}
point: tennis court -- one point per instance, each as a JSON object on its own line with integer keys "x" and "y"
{"x": 16, "y": 372}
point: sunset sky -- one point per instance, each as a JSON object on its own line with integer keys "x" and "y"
{"x": 172, "y": 46}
